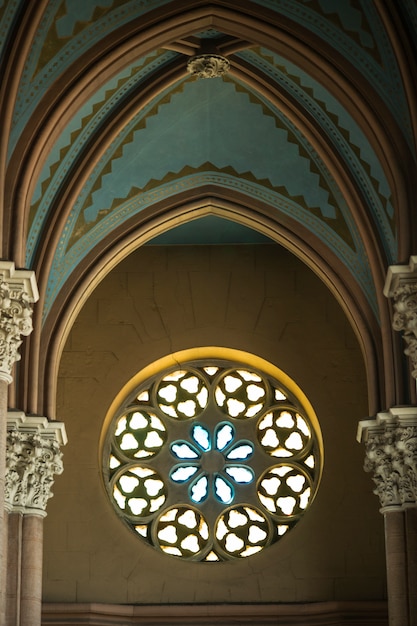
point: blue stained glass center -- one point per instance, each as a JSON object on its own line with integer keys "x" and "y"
{"x": 208, "y": 462}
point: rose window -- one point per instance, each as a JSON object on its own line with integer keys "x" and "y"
{"x": 212, "y": 461}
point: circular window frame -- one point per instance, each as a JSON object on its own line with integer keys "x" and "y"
{"x": 212, "y": 509}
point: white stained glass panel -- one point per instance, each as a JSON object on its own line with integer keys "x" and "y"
{"x": 279, "y": 395}
{"x": 128, "y": 442}
{"x": 235, "y": 407}
{"x": 220, "y": 397}
{"x": 254, "y": 515}
{"x": 114, "y": 462}
{"x": 143, "y": 396}
{"x": 266, "y": 422}
{"x": 190, "y": 543}
{"x": 241, "y": 475}
{"x": 168, "y": 534}
{"x": 232, "y": 384}
{"x": 302, "y": 425}
{"x": 240, "y": 453}
{"x": 184, "y": 451}
{"x": 199, "y": 491}
{"x": 128, "y": 483}
{"x": 153, "y": 486}
{"x": 173, "y": 551}
{"x": 271, "y": 485}
{"x": 310, "y": 461}
{"x": 202, "y": 397}
{"x": 234, "y": 543}
{"x": 138, "y": 420}
{"x": 156, "y": 423}
{"x": 270, "y": 439}
{"x": 201, "y": 436}
{"x": 188, "y": 408}
{"x": 137, "y": 505}
{"x": 255, "y": 392}
{"x": 224, "y": 436}
{"x": 223, "y": 491}
{"x": 188, "y": 519}
{"x": 287, "y": 504}
{"x": 304, "y": 498}
{"x": 142, "y": 472}
{"x": 251, "y": 550}
{"x": 175, "y": 376}
{"x": 121, "y": 426}
{"x": 120, "y": 499}
{"x": 168, "y": 393}
{"x": 296, "y": 483}
{"x": 285, "y": 420}
{"x": 253, "y": 410}
{"x": 236, "y": 519}
{"x": 256, "y": 534}
{"x": 250, "y": 376}
{"x": 294, "y": 442}
{"x": 221, "y": 530}
{"x": 190, "y": 384}
{"x": 142, "y": 530}
{"x": 153, "y": 440}
{"x": 157, "y": 503}
{"x": 182, "y": 474}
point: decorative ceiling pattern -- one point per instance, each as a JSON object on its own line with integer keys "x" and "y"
{"x": 192, "y": 136}
{"x": 230, "y": 132}
{"x": 71, "y": 27}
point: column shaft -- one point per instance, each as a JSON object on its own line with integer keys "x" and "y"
{"x": 31, "y": 585}
{"x": 14, "y": 562}
{"x": 3, "y": 528}
{"x": 411, "y": 536}
{"x": 396, "y": 556}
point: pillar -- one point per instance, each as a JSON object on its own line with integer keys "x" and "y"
{"x": 391, "y": 457}
{"x": 18, "y": 292}
{"x": 33, "y": 458}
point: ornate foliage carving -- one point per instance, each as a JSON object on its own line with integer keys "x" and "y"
{"x": 405, "y": 319}
{"x": 391, "y": 456}
{"x": 208, "y": 66}
{"x": 401, "y": 286}
{"x": 33, "y": 457}
{"x": 17, "y": 293}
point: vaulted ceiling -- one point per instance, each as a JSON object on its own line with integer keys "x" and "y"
{"x": 109, "y": 143}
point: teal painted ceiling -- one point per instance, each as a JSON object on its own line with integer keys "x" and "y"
{"x": 223, "y": 131}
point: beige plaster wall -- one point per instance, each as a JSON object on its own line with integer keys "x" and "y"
{"x": 256, "y": 298}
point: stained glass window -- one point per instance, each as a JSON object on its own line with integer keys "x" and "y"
{"x": 211, "y": 461}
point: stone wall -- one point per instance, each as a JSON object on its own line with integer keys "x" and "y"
{"x": 260, "y": 299}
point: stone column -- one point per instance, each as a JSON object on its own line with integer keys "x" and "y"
{"x": 396, "y": 469}
{"x": 391, "y": 457}
{"x": 33, "y": 457}
{"x": 17, "y": 293}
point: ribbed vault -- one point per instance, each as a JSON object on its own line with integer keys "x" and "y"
{"x": 111, "y": 143}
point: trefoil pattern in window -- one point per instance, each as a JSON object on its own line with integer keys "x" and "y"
{"x": 211, "y": 461}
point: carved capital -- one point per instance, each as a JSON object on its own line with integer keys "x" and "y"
{"x": 33, "y": 457}
{"x": 391, "y": 455}
{"x": 18, "y": 291}
{"x": 401, "y": 286}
